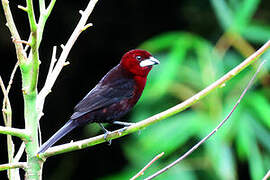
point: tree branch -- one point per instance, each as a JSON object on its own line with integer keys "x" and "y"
{"x": 21, "y": 55}
{"x": 7, "y": 116}
{"x": 66, "y": 49}
{"x": 19, "y": 153}
{"x": 21, "y": 133}
{"x": 12, "y": 166}
{"x": 147, "y": 166}
{"x": 158, "y": 117}
{"x": 33, "y": 65}
{"x": 44, "y": 14}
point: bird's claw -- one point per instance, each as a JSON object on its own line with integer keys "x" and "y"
{"x": 106, "y": 137}
{"x": 106, "y": 133}
{"x": 122, "y": 130}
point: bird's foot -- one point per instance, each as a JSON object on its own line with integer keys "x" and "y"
{"x": 106, "y": 136}
{"x": 120, "y": 131}
{"x": 126, "y": 124}
{"x": 106, "y": 133}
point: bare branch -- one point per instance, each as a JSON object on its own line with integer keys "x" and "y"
{"x": 212, "y": 132}
{"x": 22, "y": 8}
{"x": 19, "y": 153}
{"x": 53, "y": 60}
{"x": 22, "y": 42}
{"x": 21, "y": 55}
{"x": 6, "y": 108}
{"x": 7, "y": 116}
{"x": 12, "y": 166}
{"x": 44, "y": 14}
{"x": 147, "y": 166}
{"x": 21, "y": 133}
{"x": 66, "y": 49}
{"x": 12, "y": 77}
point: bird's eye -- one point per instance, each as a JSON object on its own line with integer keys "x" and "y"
{"x": 139, "y": 58}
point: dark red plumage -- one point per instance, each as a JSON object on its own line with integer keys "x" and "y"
{"x": 116, "y": 93}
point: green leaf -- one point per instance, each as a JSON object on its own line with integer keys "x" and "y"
{"x": 245, "y": 137}
{"x": 257, "y": 32}
{"x": 256, "y": 163}
{"x": 161, "y": 42}
{"x": 262, "y": 134}
{"x": 260, "y": 105}
{"x": 223, "y": 13}
{"x": 222, "y": 158}
{"x": 242, "y": 17}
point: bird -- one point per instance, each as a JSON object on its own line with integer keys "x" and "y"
{"x": 113, "y": 97}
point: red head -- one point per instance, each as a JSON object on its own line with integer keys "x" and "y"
{"x": 138, "y": 62}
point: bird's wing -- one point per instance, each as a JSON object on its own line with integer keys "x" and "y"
{"x": 104, "y": 95}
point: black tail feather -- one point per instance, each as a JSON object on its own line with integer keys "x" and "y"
{"x": 70, "y": 125}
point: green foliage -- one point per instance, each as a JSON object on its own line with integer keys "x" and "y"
{"x": 189, "y": 64}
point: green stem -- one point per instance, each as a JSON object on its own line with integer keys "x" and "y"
{"x": 34, "y": 166}
{"x": 21, "y": 133}
{"x": 44, "y": 14}
{"x": 30, "y": 72}
{"x": 158, "y": 117}
{"x": 31, "y": 16}
{"x": 12, "y": 166}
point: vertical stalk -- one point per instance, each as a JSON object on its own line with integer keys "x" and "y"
{"x": 30, "y": 71}
{"x": 34, "y": 166}
{"x": 7, "y": 116}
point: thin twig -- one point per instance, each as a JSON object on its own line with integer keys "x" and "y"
{"x": 12, "y": 166}
{"x": 212, "y": 132}
{"x": 62, "y": 59}
{"x": 147, "y": 166}
{"x": 44, "y": 14}
{"x": 21, "y": 133}
{"x": 21, "y": 55}
{"x": 22, "y": 42}
{"x": 6, "y": 100}
{"x": 7, "y": 116}
{"x": 29, "y": 40}
{"x": 158, "y": 117}
{"x": 19, "y": 153}
{"x": 12, "y": 76}
{"x": 53, "y": 60}
{"x": 6, "y": 107}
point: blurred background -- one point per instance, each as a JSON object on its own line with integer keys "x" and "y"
{"x": 196, "y": 42}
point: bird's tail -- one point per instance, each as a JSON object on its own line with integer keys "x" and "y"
{"x": 70, "y": 125}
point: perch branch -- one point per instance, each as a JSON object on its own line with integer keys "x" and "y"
{"x": 12, "y": 166}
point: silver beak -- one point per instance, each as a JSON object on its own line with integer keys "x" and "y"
{"x": 149, "y": 62}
